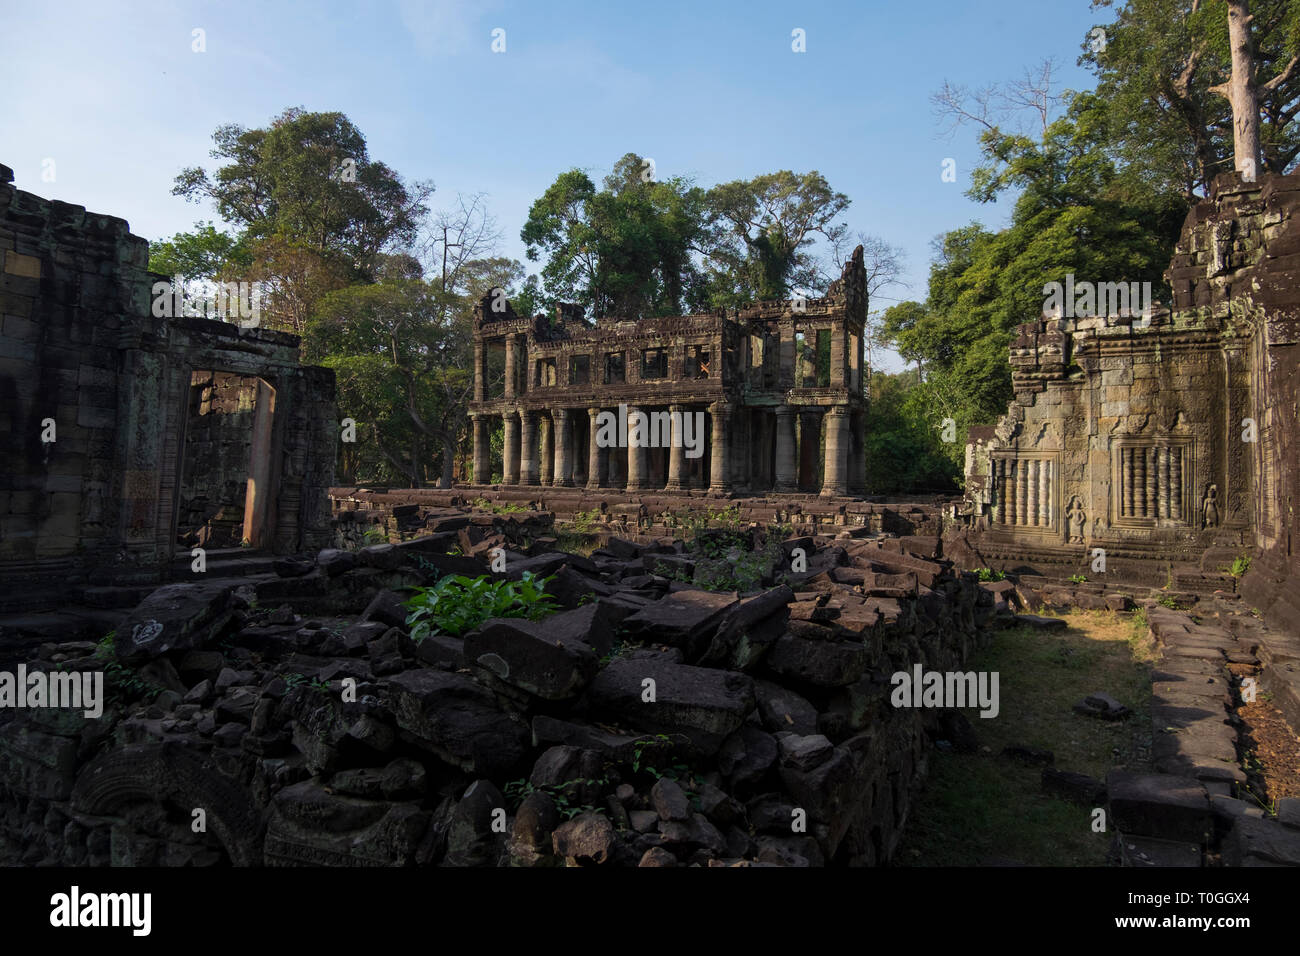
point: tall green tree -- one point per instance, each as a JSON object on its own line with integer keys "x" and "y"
{"x": 626, "y": 249}
{"x": 764, "y": 232}
{"x": 1073, "y": 214}
{"x": 314, "y": 210}
{"x": 1164, "y": 69}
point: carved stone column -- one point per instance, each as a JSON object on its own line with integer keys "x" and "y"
{"x": 595, "y": 454}
{"x": 545, "y": 450}
{"x": 527, "y": 448}
{"x": 511, "y": 375}
{"x": 510, "y": 450}
{"x": 636, "y": 458}
{"x": 676, "y": 448}
{"x": 720, "y": 467}
{"x": 563, "y": 459}
{"x": 786, "y": 467}
{"x": 480, "y": 374}
{"x": 835, "y": 483}
{"x": 482, "y": 451}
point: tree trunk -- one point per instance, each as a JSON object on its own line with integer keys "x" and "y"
{"x": 1242, "y": 92}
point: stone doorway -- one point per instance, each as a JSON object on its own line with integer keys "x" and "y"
{"x": 226, "y": 496}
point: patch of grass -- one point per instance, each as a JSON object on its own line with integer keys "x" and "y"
{"x": 574, "y": 542}
{"x": 988, "y": 574}
{"x": 980, "y": 808}
{"x": 499, "y": 508}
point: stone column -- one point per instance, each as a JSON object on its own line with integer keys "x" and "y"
{"x": 595, "y": 454}
{"x": 786, "y": 468}
{"x": 636, "y": 459}
{"x": 719, "y": 471}
{"x": 563, "y": 460}
{"x": 527, "y": 448}
{"x": 676, "y": 450}
{"x": 482, "y": 451}
{"x": 835, "y": 484}
{"x": 810, "y": 427}
{"x": 510, "y": 367}
{"x": 545, "y": 450}
{"x": 510, "y": 450}
{"x": 480, "y": 373}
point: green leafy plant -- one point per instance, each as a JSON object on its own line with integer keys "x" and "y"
{"x": 1078, "y": 578}
{"x": 457, "y": 604}
{"x": 989, "y": 574}
{"x": 1240, "y": 566}
{"x": 375, "y": 535}
{"x": 643, "y": 748}
{"x": 618, "y": 650}
{"x": 1170, "y": 602}
{"x": 516, "y": 791}
{"x": 123, "y": 683}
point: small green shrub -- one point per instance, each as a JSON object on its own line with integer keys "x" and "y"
{"x": 1078, "y": 578}
{"x": 457, "y": 604}
{"x": 989, "y": 574}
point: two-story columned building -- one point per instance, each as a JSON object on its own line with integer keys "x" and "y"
{"x": 777, "y": 386}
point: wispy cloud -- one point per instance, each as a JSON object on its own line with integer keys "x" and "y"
{"x": 444, "y": 27}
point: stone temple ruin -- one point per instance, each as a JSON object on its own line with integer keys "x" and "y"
{"x": 1169, "y": 443}
{"x": 129, "y": 437}
{"x": 757, "y": 372}
{"x": 229, "y": 685}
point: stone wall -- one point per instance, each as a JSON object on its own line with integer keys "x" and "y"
{"x": 86, "y": 363}
{"x": 231, "y": 696}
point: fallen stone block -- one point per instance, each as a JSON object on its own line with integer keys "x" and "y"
{"x": 700, "y": 703}
{"x": 1159, "y": 805}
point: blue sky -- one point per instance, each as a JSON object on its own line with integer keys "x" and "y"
{"x": 115, "y": 96}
